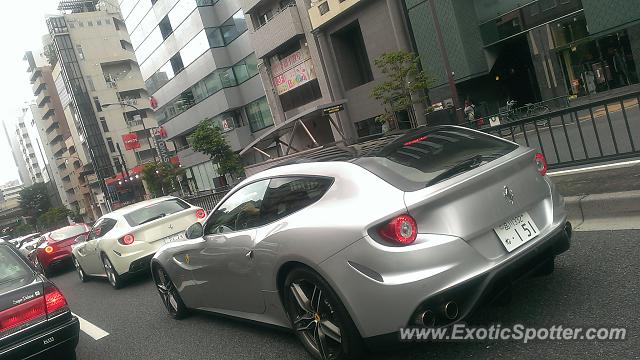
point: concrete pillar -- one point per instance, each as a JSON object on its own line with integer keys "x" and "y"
{"x": 335, "y": 88}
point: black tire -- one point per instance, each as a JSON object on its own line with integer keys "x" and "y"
{"x": 81, "y": 274}
{"x": 113, "y": 277}
{"x": 316, "y": 312}
{"x": 547, "y": 267}
{"x": 169, "y": 294}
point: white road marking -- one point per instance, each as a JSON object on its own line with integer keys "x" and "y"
{"x": 595, "y": 167}
{"x": 88, "y": 328}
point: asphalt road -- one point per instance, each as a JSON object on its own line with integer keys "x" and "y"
{"x": 595, "y": 285}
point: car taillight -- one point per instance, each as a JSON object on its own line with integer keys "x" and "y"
{"x": 400, "y": 230}
{"x": 541, "y": 164}
{"x": 127, "y": 239}
{"x": 54, "y": 300}
{"x": 48, "y": 249}
{"x": 201, "y": 214}
{"x": 22, "y": 313}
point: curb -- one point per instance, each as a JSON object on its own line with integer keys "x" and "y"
{"x": 584, "y": 208}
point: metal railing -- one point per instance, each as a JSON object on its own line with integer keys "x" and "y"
{"x": 603, "y": 130}
{"x": 208, "y": 201}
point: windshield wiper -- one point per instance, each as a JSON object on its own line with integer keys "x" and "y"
{"x": 160, "y": 216}
{"x": 466, "y": 165}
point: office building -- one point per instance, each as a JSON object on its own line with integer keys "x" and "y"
{"x": 104, "y": 100}
{"x": 198, "y": 63}
{"x": 316, "y": 60}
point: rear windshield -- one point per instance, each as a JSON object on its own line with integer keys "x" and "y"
{"x": 67, "y": 232}
{"x": 423, "y": 158}
{"x": 11, "y": 266}
{"x": 155, "y": 211}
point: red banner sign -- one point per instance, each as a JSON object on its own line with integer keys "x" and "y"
{"x": 130, "y": 141}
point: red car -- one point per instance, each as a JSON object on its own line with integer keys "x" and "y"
{"x": 55, "y": 247}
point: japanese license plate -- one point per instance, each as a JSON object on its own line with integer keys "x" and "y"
{"x": 516, "y": 231}
{"x": 175, "y": 237}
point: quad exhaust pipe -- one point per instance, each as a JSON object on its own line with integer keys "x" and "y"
{"x": 451, "y": 310}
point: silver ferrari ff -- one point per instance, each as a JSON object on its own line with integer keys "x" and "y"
{"x": 409, "y": 230}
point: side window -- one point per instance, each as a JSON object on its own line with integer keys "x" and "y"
{"x": 101, "y": 227}
{"x": 288, "y": 195}
{"x": 240, "y": 211}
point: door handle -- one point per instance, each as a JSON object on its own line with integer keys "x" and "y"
{"x": 249, "y": 254}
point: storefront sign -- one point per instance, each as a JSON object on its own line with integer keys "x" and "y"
{"x": 161, "y": 145}
{"x": 333, "y": 109}
{"x": 130, "y": 141}
{"x": 292, "y": 71}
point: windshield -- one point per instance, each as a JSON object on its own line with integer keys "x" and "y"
{"x": 68, "y": 232}
{"x": 419, "y": 159}
{"x": 155, "y": 211}
{"x": 11, "y": 267}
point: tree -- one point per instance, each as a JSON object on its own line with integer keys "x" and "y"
{"x": 34, "y": 200}
{"x": 22, "y": 229}
{"x": 208, "y": 139}
{"x": 404, "y": 86}
{"x": 162, "y": 178}
{"x": 54, "y": 218}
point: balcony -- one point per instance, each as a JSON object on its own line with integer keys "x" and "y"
{"x": 283, "y": 26}
{"x": 321, "y": 12}
{"x": 249, "y": 5}
{"x": 38, "y": 86}
{"x": 58, "y": 148}
{"x": 35, "y": 75}
{"x": 51, "y": 123}
{"x": 47, "y": 111}
{"x": 43, "y": 97}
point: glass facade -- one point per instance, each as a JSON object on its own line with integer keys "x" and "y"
{"x": 205, "y": 176}
{"x": 208, "y": 38}
{"x": 211, "y": 84}
{"x": 259, "y": 114}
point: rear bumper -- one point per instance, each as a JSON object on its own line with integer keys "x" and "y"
{"x": 63, "y": 337}
{"x": 385, "y": 289}
{"x": 48, "y": 261}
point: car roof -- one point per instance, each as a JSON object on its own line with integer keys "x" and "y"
{"x": 129, "y": 208}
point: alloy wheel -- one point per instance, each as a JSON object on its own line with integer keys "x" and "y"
{"x": 315, "y": 319}
{"x": 78, "y": 269}
{"x": 168, "y": 291}
{"x": 111, "y": 274}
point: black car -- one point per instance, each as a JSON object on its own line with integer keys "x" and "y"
{"x": 35, "y": 320}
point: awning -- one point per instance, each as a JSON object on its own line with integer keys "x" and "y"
{"x": 290, "y": 125}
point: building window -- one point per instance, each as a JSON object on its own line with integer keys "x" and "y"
{"x": 301, "y": 95}
{"x": 90, "y": 23}
{"x": 72, "y": 25}
{"x": 287, "y": 3}
{"x": 264, "y": 17}
{"x": 246, "y": 69}
{"x": 96, "y": 102}
{"x": 547, "y": 5}
{"x": 103, "y": 122}
{"x": 90, "y": 83}
{"x": 351, "y": 55}
{"x": 176, "y": 63}
{"x": 80, "y": 52}
{"x": 368, "y": 127}
{"x": 107, "y": 21}
{"x": 99, "y": 22}
{"x": 259, "y": 114}
{"x": 165, "y": 27}
{"x": 80, "y": 23}
{"x": 323, "y": 8}
{"x": 110, "y": 145}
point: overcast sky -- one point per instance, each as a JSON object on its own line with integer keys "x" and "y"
{"x": 23, "y": 30}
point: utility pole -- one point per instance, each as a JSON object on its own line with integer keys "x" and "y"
{"x": 445, "y": 60}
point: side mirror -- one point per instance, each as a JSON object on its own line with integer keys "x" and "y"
{"x": 194, "y": 231}
{"x": 81, "y": 238}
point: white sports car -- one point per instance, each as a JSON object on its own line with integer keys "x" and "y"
{"x": 123, "y": 242}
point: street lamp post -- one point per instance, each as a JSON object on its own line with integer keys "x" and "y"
{"x": 155, "y": 158}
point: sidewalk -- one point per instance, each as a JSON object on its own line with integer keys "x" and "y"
{"x": 605, "y": 197}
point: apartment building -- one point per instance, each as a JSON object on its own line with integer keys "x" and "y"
{"x": 198, "y": 63}
{"x": 316, "y": 60}
{"x": 104, "y": 100}
{"x": 54, "y": 134}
